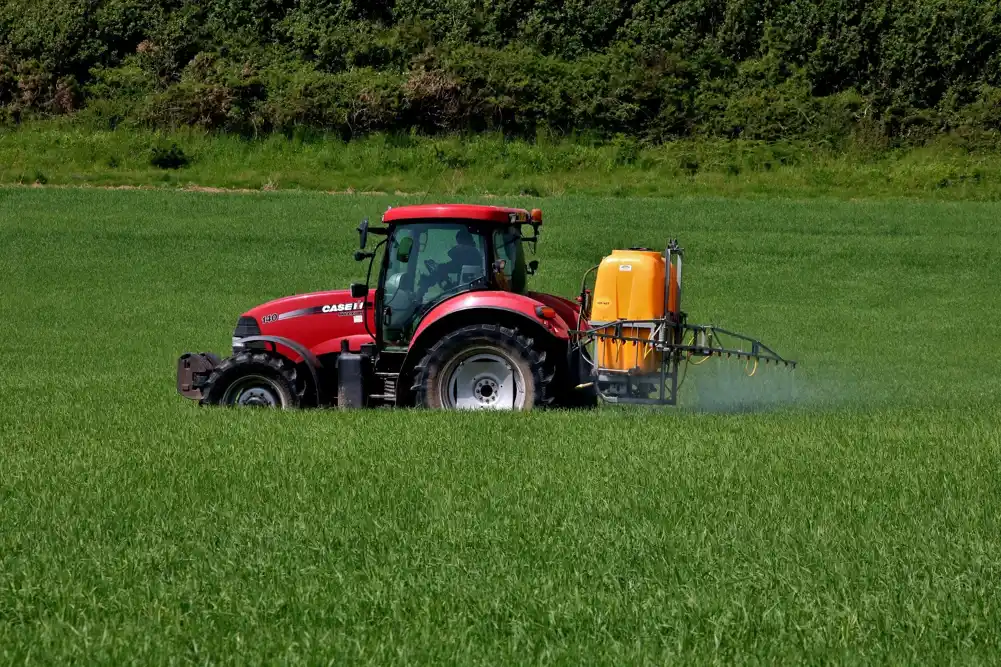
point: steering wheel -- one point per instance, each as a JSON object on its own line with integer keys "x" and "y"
{"x": 431, "y": 279}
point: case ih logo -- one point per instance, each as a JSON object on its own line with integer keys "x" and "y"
{"x": 343, "y": 307}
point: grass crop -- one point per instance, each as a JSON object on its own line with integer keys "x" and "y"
{"x": 71, "y": 153}
{"x": 859, "y": 525}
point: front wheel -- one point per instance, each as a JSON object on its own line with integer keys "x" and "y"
{"x": 483, "y": 367}
{"x": 253, "y": 380}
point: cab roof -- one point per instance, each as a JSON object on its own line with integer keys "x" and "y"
{"x": 495, "y": 214}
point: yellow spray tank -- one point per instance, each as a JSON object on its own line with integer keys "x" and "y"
{"x": 638, "y": 341}
{"x": 631, "y": 285}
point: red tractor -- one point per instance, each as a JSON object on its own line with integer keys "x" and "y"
{"x": 452, "y": 324}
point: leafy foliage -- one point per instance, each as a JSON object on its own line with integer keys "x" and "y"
{"x": 887, "y": 70}
{"x": 172, "y": 157}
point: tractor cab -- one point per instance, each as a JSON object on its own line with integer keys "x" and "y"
{"x": 433, "y": 253}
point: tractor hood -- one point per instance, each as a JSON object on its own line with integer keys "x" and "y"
{"x": 316, "y": 318}
{"x": 312, "y": 303}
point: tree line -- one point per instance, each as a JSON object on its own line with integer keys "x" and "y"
{"x": 891, "y": 71}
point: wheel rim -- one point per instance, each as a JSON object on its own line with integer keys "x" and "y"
{"x": 254, "y": 391}
{"x": 479, "y": 379}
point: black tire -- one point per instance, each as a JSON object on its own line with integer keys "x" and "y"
{"x": 528, "y": 363}
{"x": 253, "y": 379}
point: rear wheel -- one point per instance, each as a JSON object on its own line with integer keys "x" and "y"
{"x": 253, "y": 380}
{"x": 483, "y": 367}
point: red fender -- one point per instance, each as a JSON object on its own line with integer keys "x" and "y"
{"x": 509, "y": 301}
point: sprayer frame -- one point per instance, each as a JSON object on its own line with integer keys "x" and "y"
{"x": 666, "y": 339}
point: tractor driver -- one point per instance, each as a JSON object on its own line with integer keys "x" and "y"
{"x": 465, "y": 258}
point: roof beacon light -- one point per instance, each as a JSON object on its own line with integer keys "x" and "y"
{"x": 537, "y": 216}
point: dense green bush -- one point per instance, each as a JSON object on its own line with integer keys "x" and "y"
{"x": 887, "y": 70}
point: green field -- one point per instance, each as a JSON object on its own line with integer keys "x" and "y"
{"x": 861, "y": 524}
{"x": 950, "y": 168}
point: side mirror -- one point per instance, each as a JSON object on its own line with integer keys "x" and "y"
{"x": 533, "y": 241}
{"x": 363, "y": 233}
{"x": 533, "y": 266}
{"x": 403, "y": 250}
{"x": 359, "y": 290}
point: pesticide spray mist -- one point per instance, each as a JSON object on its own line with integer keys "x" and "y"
{"x": 727, "y": 385}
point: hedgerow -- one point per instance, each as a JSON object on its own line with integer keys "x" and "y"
{"x": 891, "y": 71}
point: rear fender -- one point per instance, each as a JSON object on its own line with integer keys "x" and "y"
{"x": 492, "y": 301}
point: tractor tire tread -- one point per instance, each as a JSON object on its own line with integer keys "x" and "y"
{"x": 231, "y": 367}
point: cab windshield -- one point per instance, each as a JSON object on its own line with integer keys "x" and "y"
{"x": 509, "y": 249}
